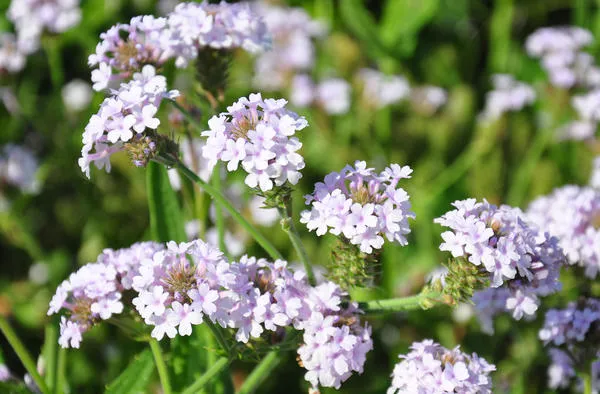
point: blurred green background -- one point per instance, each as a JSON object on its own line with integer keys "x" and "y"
{"x": 454, "y": 44}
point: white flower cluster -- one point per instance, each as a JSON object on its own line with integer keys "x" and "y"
{"x": 587, "y": 107}
{"x": 32, "y": 17}
{"x": 559, "y": 48}
{"x": 332, "y": 94}
{"x": 259, "y": 134}
{"x": 293, "y": 50}
{"x": 523, "y": 263}
{"x": 571, "y": 213}
{"x": 12, "y": 58}
{"x": 429, "y": 368}
{"x": 122, "y": 117}
{"x": 508, "y": 95}
{"x": 361, "y": 205}
{"x": 381, "y": 90}
{"x": 189, "y": 283}
{"x": 125, "y": 48}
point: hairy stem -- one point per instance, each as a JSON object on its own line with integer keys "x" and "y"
{"x": 216, "y": 368}
{"x": 422, "y": 300}
{"x": 23, "y": 354}
{"x": 290, "y": 228}
{"x": 220, "y": 222}
{"x": 260, "y": 373}
{"x": 161, "y": 366}
{"x": 225, "y": 203}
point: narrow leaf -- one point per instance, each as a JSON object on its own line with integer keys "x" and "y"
{"x": 136, "y": 376}
{"x": 166, "y": 220}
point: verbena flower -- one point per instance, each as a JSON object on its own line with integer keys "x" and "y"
{"x": 126, "y": 48}
{"x": 33, "y": 17}
{"x": 431, "y": 368}
{"x": 259, "y": 135}
{"x": 572, "y": 332}
{"x": 508, "y": 95}
{"x": 189, "y": 283}
{"x": 361, "y": 205}
{"x": 572, "y": 214}
{"x": 293, "y": 49}
{"x": 559, "y": 48}
{"x": 76, "y": 95}
{"x": 123, "y": 118}
{"x": 522, "y": 262}
{"x": 381, "y": 90}
{"x": 94, "y": 292}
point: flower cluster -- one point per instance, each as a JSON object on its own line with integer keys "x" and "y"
{"x": 182, "y": 285}
{"x": 381, "y": 90}
{"x": 332, "y": 94}
{"x": 522, "y": 262}
{"x": 94, "y": 292}
{"x": 431, "y": 368}
{"x": 125, "y": 48}
{"x": 123, "y": 118}
{"x": 361, "y": 205}
{"x": 32, "y": 17}
{"x": 18, "y": 168}
{"x": 569, "y": 328}
{"x": 259, "y": 134}
{"x": 587, "y": 107}
{"x": 292, "y": 52}
{"x": 508, "y": 95}
{"x": 559, "y": 49}
{"x": 571, "y": 213}
{"x": 428, "y": 98}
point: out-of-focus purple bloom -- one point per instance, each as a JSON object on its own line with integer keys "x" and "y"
{"x": 361, "y": 205}
{"x": 431, "y": 368}
{"x": 332, "y": 94}
{"x": 508, "y": 95}
{"x": 18, "y": 168}
{"x": 12, "y": 56}
{"x": 381, "y": 90}
{"x": 571, "y": 214}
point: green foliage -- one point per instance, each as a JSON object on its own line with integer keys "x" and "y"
{"x": 136, "y": 377}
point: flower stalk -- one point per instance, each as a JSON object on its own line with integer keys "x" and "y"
{"x": 423, "y": 300}
{"x": 214, "y": 370}
{"x": 161, "y": 366}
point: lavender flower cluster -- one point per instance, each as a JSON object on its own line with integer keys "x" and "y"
{"x": 123, "y": 117}
{"x": 560, "y": 50}
{"x": 18, "y": 168}
{"x": 568, "y": 328}
{"x": 361, "y": 205}
{"x": 292, "y": 51}
{"x": 508, "y": 95}
{"x": 430, "y": 368}
{"x": 125, "y": 48}
{"x": 181, "y": 285}
{"x": 587, "y": 106}
{"x": 572, "y": 213}
{"x": 523, "y": 262}
{"x": 259, "y": 134}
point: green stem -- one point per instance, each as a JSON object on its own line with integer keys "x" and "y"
{"x": 186, "y": 114}
{"x": 49, "y": 354}
{"x": 290, "y": 228}
{"x": 23, "y": 355}
{"x": 61, "y": 365}
{"x": 523, "y": 176}
{"x": 216, "y": 330}
{"x": 260, "y": 373}
{"x": 500, "y": 32}
{"x": 160, "y": 366}
{"x": 423, "y": 300}
{"x": 216, "y": 368}
{"x": 51, "y": 46}
{"x": 587, "y": 382}
{"x": 220, "y": 222}
{"x": 225, "y": 203}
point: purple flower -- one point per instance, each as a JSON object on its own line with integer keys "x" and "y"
{"x": 361, "y": 205}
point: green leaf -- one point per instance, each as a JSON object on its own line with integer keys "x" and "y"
{"x": 136, "y": 376}
{"x": 358, "y": 19}
{"x": 402, "y": 20}
{"x": 166, "y": 220}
